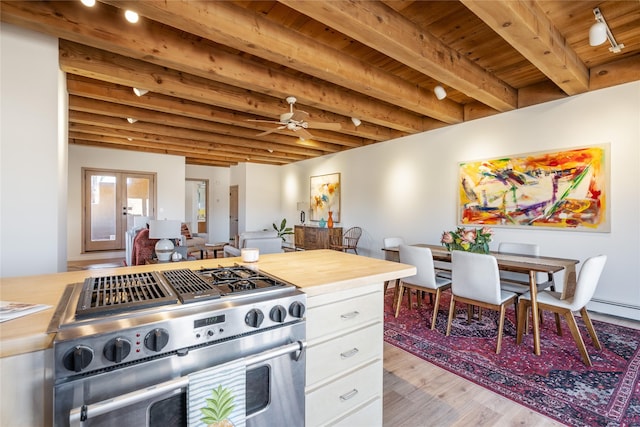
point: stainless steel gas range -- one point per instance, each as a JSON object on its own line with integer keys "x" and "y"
{"x": 126, "y": 346}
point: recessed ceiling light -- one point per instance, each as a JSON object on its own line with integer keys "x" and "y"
{"x": 131, "y": 16}
{"x": 88, "y": 3}
{"x": 131, "y": 120}
{"x": 139, "y": 92}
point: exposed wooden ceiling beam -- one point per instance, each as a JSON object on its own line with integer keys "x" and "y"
{"x": 219, "y": 21}
{"x": 383, "y": 29}
{"x": 525, "y": 27}
{"x": 163, "y": 46}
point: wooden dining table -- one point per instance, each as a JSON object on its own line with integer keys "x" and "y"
{"x": 528, "y": 264}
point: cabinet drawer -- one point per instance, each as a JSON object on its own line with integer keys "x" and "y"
{"x": 370, "y": 415}
{"x": 344, "y": 314}
{"x": 343, "y": 353}
{"x": 344, "y": 395}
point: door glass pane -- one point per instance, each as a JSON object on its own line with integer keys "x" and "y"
{"x": 138, "y": 198}
{"x": 103, "y": 208}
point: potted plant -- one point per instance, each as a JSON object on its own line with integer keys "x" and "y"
{"x": 283, "y": 230}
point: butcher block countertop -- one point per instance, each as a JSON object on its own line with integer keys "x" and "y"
{"x": 315, "y": 272}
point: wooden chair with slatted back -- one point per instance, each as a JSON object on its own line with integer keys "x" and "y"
{"x": 349, "y": 240}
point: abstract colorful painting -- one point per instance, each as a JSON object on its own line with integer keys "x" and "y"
{"x": 325, "y": 197}
{"x": 564, "y": 189}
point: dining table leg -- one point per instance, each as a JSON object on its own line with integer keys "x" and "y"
{"x": 535, "y": 317}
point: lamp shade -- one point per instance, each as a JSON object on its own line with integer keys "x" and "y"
{"x": 597, "y": 34}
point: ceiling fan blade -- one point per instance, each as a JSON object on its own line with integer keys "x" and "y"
{"x": 324, "y": 125}
{"x": 299, "y": 116}
{"x": 302, "y": 133}
{"x": 271, "y": 131}
{"x": 265, "y": 121}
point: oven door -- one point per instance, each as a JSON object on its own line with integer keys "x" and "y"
{"x": 275, "y": 380}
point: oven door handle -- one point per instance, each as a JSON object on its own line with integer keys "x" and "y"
{"x": 298, "y": 347}
{"x": 78, "y": 416}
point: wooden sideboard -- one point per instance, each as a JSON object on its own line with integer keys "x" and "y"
{"x": 316, "y": 238}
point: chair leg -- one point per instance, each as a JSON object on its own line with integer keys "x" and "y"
{"x": 395, "y": 291}
{"x": 500, "y": 327}
{"x": 436, "y": 305}
{"x": 452, "y": 310}
{"x": 573, "y": 327}
{"x": 401, "y": 290}
{"x": 386, "y": 285}
{"x": 558, "y": 325}
{"x": 587, "y": 321}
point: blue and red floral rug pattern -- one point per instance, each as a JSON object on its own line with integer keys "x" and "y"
{"x": 556, "y": 384}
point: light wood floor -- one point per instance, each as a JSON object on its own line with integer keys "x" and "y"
{"x": 420, "y": 394}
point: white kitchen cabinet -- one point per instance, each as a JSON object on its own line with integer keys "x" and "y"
{"x": 344, "y": 357}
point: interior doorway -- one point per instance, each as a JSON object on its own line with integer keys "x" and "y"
{"x": 196, "y": 205}
{"x": 233, "y": 212}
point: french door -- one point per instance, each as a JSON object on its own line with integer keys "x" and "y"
{"x": 111, "y": 199}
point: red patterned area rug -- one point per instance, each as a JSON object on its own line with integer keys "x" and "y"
{"x": 556, "y": 384}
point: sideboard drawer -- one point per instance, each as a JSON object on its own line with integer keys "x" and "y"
{"x": 343, "y": 395}
{"x": 344, "y": 353}
{"x": 341, "y": 315}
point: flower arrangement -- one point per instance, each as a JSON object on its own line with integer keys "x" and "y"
{"x": 472, "y": 240}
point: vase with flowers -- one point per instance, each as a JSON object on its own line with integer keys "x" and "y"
{"x": 470, "y": 240}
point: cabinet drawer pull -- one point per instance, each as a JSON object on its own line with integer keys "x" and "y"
{"x": 351, "y": 315}
{"x": 348, "y": 395}
{"x": 349, "y": 353}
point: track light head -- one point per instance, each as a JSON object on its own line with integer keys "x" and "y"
{"x": 440, "y": 92}
{"x": 139, "y": 92}
{"x": 356, "y": 121}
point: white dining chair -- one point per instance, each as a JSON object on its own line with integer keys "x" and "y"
{"x": 549, "y": 300}
{"x": 392, "y": 242}
{"x": 425, "y": 280}
{"x": 476, "y": 282}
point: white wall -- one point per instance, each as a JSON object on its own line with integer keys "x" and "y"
{"x": 170, "y": 177}
{"x": 32, "y": 154}
{"x": 407, "y": 187}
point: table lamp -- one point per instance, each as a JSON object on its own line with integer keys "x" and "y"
{"x": 164, "y": 230}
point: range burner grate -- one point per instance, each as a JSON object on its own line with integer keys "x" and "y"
{"x": 189, "y": 286}
{"x": 114, "y": 294}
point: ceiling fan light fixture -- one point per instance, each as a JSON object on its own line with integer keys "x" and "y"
{"x": 440, "y": 92}
{"x": 131, "y": 16}
{"x": 131, "y": 120}
{"x": 139, "y": 92}
{"x": 356, "y": 121}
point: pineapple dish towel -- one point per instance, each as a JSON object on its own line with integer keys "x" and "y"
{"x": 216, "y": 396}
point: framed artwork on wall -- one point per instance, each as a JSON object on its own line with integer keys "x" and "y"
{"x": 325, "y": 197}
{"x": 566, "y": 190}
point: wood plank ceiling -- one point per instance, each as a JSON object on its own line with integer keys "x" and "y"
{"x": 212, "y": 66}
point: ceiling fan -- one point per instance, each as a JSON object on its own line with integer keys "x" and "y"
{"x": 296, "y": 121}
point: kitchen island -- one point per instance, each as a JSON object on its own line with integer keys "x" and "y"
{"x": 332, "y": 280}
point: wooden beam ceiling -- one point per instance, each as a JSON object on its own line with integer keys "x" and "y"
{"x": 213, "y": 67}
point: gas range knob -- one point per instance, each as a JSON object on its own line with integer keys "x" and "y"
{"x": 116, "y": 350}
{"x": 156, "y": 340}
{"x": 78, "y": 358}
{"x": 254, "y": 318}
{"x": 278, "y": 314}
{"x": 296, "y": 309}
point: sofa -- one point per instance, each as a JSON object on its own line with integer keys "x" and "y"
{"x": 267, "y": 242}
